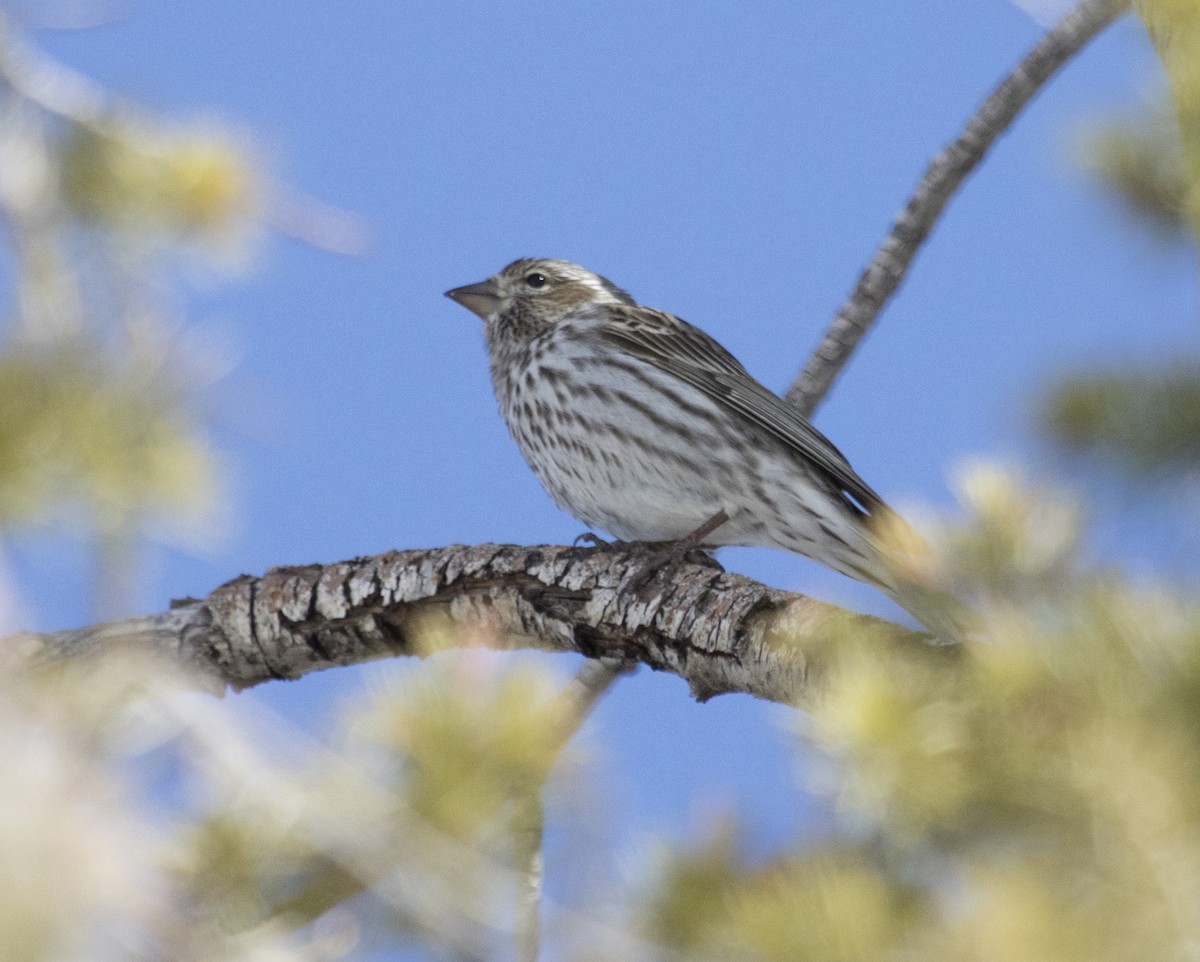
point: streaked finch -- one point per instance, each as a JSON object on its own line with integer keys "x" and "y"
{"x": 642, "y": 425}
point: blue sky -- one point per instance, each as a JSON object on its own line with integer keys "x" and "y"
{"x": 733, "y": 164}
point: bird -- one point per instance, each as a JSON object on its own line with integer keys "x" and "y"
{"x": 642, "y": 425}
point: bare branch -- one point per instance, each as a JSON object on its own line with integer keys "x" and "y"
{"x": 52, "y": 86}
{"x": 942, "y": 178}
{"x": 720, "y": 632}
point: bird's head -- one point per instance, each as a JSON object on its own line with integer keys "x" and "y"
{"x": 533, "y": 294}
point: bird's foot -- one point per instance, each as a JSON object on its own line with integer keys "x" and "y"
{"x": 653, "y": 558}
{"x": 660, "y": 558}
{"x": 690, "y": 548}
{"x": 591, "y": 539}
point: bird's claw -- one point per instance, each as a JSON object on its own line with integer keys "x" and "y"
{"x": 664, "y": 556}
{"x": 703, "y": 557}
{"x": 591, "y": 539}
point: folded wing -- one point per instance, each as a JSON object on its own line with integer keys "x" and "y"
{"x": 676, "y": 347}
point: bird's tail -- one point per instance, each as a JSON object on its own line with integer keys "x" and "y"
{"x": 945, "y": 616}
{"x": 912, "y": 583}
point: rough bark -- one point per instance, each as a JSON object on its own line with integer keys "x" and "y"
{"x": 718, "y": 631}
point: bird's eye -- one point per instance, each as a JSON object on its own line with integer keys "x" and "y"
{"x": 535, "y": 280}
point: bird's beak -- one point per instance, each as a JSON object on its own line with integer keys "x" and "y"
{"x": 482, "y": 298}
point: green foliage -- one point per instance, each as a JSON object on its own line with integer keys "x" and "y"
{"x": 1151, "y": 162}
{"x": 1174, "y": 26}
{"x": 1140, "y": 161}
{"x": 1139, "y": 421}
{"x": 1144, "y": 421}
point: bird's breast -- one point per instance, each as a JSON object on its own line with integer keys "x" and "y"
{"x": 618, "y": 444}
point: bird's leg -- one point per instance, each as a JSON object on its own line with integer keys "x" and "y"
{"x": 690, "y": 547}
{"x": 696, "y": 538}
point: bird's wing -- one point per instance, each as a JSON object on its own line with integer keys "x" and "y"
{"x": 678, "y": 348}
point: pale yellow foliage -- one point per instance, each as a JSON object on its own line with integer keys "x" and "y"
{"x": 87, "y": 852}
{"x": 408, "y": 814}
{"x": 1031, "y": 795}
{"x": 1036, "y": 796}
{"x": 470, "y": 741}
{"x": 99, "y": 422}
{"x": 193, "y": 183}
{"x": 77, "y": 430}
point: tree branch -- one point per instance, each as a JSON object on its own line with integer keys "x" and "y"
{"x": 945, "y": 174}
{"x": 720, "y": 632}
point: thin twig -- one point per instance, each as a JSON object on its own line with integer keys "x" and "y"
{"x": 591, "y": 682}
{"x": 529, "y": 823}
{"x": 942, "y": 178}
